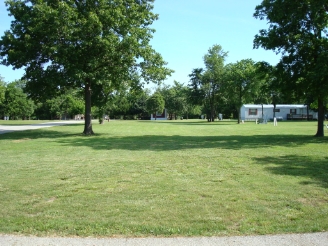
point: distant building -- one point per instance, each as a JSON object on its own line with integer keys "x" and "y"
{"x": 282, "y": 112}
{"x": 159, "y": 116}
{"x": 79, "y": 117}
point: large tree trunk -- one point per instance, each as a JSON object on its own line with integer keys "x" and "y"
{"x": 87, "y": 115}
{"x": 320, "y": 131}
{"x": 212, "y": 113}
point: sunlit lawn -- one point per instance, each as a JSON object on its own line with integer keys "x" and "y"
{"x": 164, "y": 178}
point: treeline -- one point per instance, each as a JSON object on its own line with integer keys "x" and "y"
{"x": 127, "y": 103}
{"x": 216, "y": 88}
{"x": 15, "y": 103}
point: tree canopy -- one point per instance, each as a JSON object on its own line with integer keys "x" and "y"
{"x": 2, "y": 90}
{"x": 15, "y": 103}
{"x": 94, "y": 45}
{"x": 298, "y": 30}
{"x": 207, "y": 85}
{"x": 242, "y": 83}
{"x": 155, "y": 104}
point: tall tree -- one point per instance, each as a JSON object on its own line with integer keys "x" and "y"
{"x": 196, "y": 94}
{"x": 2, "y": 95}
{"x": 243, "y": 83}
{"x": 175, "y": 99}
{"x": 181, "y": 101}
{"x": 213, "y": 79}
{"x": 81, "y": 44}
{"x": 274, "y": 87}
{"x": 2, "y": 90}
{"x": 16, "y": 104}
{"x": 65, "y": 105}
{"x": 298, "y": 30}
{"x": 137, "y": 98}
{"x": 207, "y": 85}
{"x": 155, "y": 104}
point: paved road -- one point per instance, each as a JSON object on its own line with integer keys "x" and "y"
{"x": 309, "y": 239}
{"x": 13, "y": 128}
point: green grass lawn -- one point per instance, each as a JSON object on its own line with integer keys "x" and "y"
{"x": 164, "y": 178}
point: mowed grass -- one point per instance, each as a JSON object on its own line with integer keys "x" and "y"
{"x": 164, "y": 178}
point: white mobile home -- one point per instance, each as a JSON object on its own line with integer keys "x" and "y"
{"x": 282, "y": 112}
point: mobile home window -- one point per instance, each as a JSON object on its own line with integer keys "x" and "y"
{"x": 252, "y": 111}
{"x": 293, "y": 111}
{"x": 277, "y": 110}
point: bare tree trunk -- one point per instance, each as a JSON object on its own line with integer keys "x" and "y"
{"x": 87, "y": 117}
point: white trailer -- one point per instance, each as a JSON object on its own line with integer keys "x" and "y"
{"x": 252, "y": 112}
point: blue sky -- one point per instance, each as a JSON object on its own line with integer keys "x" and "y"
{"x": 186, "y": 29}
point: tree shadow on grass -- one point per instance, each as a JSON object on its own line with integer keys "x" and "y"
{"x": 105, "y": 141}
{"x": 314, "y": 168}
{"x": 176, "y": 142}
{"x": 191, "y": 122}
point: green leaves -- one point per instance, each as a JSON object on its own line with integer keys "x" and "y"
{"x": 207, "y": 84}
{"x": 2, "y": 90}
{"x": 298, "y": 31}
{"x": 15, "y": 102}
{"x": 82, "y": 39}
{"x": 242, "y": 82}
{"x": 82, "y": 44}
{"x": 155, "y": 104}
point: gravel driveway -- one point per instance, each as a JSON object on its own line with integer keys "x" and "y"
{"x": 13, "y": 128}
{"x": 308, "y": 239}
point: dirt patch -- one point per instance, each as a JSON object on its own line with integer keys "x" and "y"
{"x": 52, "y": 199}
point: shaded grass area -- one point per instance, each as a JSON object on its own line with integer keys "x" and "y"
{"x": 143, "y": 178}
